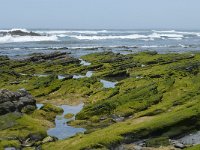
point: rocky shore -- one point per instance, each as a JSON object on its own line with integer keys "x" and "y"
{"x": 16, "y": 101}
{"x": 153, "y": 104}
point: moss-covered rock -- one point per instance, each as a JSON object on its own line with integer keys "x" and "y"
{"x": 69, "y": 116}
{"x": 9, "y": 143}
{"x": 157, "y": 95}
{"x": 52, "y": 108}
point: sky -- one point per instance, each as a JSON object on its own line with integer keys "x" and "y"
{"x": 100, "y": 14}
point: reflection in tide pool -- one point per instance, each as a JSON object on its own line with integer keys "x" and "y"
{"x": 108, "y": 84}
{"x": 88, "y": 75}
{"x": 39, "y": 106}
{"x": 84, "y": 63}
{"x": 62, "y": 130}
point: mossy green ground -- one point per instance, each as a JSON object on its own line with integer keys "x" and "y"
{"x": 17, "y": 126}
{"x": 159, "y": 98}
{"x": 197, "y": 147}
{"x": 157, "y": 94}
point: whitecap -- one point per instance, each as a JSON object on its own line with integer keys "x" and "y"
{"x": 132, "y": 36}
{"x": 13, "y": 39}
{"x": 64, "y": 32}
{"x": 177, "y": 32}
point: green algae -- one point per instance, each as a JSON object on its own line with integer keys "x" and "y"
{"x": 157, "y": 94}
{"x": 9, "y": 143}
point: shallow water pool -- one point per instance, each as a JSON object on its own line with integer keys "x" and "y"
{"x": 62, "y": 130}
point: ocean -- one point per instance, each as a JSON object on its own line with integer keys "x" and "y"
{"x": 81, "y": 42}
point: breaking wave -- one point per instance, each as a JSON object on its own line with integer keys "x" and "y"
{"x": 12, "y": 39}
{"x": 131, "y": 36}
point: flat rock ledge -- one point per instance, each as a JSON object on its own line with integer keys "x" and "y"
{"x": 16, "y": 101}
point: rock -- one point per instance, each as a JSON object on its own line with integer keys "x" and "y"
{"x": 116, "y": 118}
{"x": 35, "y": 137}
{"x": 69, "y": 116}
{"x": 15, "y": 82}
{"x": 15, "y": 101}
{"x": 21, "y": 33}
{"x": 179, "y": 145}
{"x": 52, "y": 108}
{"x": 28, "y": 109}
{"x": 48, "y": 139}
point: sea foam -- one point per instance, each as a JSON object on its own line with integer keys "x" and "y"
{"x": 12, "y": 39}
{"x": 131, "y": 36}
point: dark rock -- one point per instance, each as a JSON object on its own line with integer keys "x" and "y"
{"x": 21, "y": 33}
{"x": 28, "y": 109}
{"x": 155, "y": 76}
{"x": 62, "y": 58}
{"x": 36, "y": 137}
{"x": 15, "y": 82}
{"x": 15, "y": 101}
{"x": 117, "y": 74}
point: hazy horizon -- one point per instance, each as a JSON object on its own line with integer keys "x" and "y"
{"x": 96, "y": 14}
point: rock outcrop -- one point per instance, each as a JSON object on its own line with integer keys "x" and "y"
{"x": 62, "y": 58}
{"x": 19, "y": 33}
{"x": 15, "y": 101}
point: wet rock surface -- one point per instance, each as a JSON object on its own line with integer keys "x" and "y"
{"x": 20, "y": 33}
{"x": 62, "y": 56}
{"x": 15, "y": 101}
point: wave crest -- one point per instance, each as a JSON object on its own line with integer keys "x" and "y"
{"x": 12, "y": 39}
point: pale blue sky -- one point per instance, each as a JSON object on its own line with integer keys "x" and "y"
{"x": 100, "y": 14}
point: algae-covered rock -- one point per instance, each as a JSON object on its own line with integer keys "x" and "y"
{"x": 15, "y": 144}
{"x": 48, "y": 139}
{"x": 69, "y": 116}
{"x": 9, "y": 120}
{"x": 52, "y": 108}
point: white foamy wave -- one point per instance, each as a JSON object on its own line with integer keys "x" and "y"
{"x": 178, "y": 32}
{"x": 164, "y": 31}
{"x": 175, "y": 38}
{"x": 133, "y": 36}
{"x": 157, "y": 35}
{"x": 62, "y": 32}
{"x": 12, "y": 39}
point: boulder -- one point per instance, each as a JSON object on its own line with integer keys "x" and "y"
{"x": 15, "y": 101}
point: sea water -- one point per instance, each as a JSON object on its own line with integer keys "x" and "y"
{"x": 81, "y": 42}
